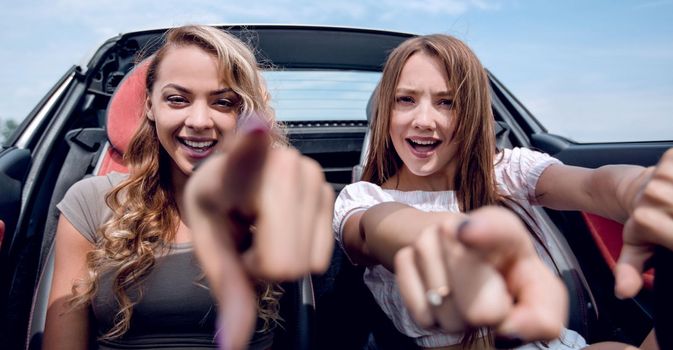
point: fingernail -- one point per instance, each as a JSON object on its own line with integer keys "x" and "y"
{"x": 509, "y": 341}
{"x": 252, "y": 124}
{"x": 460, "y": 230}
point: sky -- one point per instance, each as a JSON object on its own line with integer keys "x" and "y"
{"x": 591, "y": 71}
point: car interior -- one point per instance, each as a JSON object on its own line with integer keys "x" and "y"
{"x": 101, "y": 106}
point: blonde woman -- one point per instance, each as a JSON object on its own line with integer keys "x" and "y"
{"x": 125, "y": 270}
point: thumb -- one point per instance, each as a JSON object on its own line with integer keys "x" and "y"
{"x": 497, "y": 235}
{"x": 631, "y": 262}
{"x": 629, "y": 269}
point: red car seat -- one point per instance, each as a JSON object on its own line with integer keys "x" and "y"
{"x": 124, "y": 114}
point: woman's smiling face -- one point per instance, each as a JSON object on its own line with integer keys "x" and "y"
{"x": 422, "y": 120}
{"x": 191, "y": 106}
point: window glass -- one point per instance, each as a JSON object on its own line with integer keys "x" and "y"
{"x": 305, "y": 95}
{"x": 609, "y": 119}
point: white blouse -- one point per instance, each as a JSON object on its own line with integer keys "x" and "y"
{"x": 517, "y": 172}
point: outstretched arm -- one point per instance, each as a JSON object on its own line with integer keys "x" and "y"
{"x": 608, "y": 191}
{"x": 373, "y": 236}
{"x": 641, "y": 198}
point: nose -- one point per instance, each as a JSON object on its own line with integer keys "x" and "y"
{"x": 199, "y": 117}
{"x": 425, "y": 116}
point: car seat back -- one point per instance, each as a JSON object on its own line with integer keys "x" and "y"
{"x": 124, "y": 113}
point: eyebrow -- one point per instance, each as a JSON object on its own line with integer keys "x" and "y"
{"x": 413, "y": 91}
{"x": 187, "y": 91}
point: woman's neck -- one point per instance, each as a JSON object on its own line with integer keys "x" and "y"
{"x": 405, "y": 180}
{"x": 178, "y": 182}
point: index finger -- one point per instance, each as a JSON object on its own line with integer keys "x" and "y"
{"x": 245, "y": 162}
{"x": 541, "y": 307}
{"x": 541, "y": 301}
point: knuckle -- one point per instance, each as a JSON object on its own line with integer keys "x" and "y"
{"x": 642, "y": 216}
{"x": 668, "y": 156}
{"x": 664, "y": 172}
{"x": 320, "y": 265}
{"x": 311, "y": 164}
{"x": 279, "y": 272}
{"x": 426, "y": 241}
{"x": 549, "y": 327}
{"x": 477, "y": 317}
{"x": 422, "y": 316}
{"x": 293, "y": 154}
{"x": 651, "y": 190}
{"x": 280, "y": 267}
{"x": 404, "y": 256}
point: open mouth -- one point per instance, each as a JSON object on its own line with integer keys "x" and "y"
{"x": 198, "y": 146}
{"x": 423, "y": 145}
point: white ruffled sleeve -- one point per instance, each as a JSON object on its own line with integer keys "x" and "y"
{"x": 518, "y": 170}
{"x": 353, "y": 198}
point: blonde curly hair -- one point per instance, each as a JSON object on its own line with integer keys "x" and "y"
{"x": 145, "y": 215}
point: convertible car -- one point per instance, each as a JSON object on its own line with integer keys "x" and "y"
{"x": 321, "y": 80}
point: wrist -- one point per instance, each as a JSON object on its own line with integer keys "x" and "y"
{"x": 631, "y": 195}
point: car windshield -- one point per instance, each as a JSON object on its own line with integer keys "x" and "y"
{"x": 309, "y": 95}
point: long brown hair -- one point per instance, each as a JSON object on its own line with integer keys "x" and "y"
{"x": 474, "y": 182}
{"x": 145, "y": 214}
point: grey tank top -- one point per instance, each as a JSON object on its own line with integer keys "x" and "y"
{"x": 176, "y": 309}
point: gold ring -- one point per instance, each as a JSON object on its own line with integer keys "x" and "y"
{"x": 435, "y": 296}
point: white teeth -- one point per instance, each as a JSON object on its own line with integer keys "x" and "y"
{"x": 202, "y": 144}
{"x": 424, "y": 142}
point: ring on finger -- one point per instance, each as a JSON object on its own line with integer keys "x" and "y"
{"x": 435, "y": 296}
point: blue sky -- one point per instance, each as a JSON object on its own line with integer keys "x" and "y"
{"x": 589, "y": 70}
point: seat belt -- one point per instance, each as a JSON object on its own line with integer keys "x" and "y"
{"x": 85, "y": 145}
